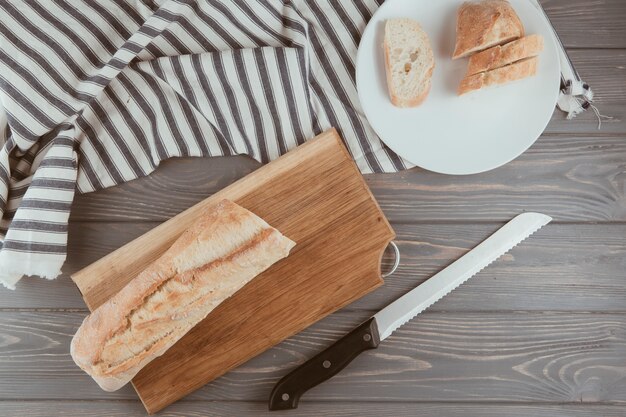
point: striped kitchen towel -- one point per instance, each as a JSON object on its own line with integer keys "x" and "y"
{"x": 98, "y": 92}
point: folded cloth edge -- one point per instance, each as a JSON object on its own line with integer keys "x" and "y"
{"x": 17, "y": 265}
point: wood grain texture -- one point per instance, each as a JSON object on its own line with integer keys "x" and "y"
{"x": 586, "y": 124}
{"x": 448, "y": 357}
{"x": 605, "y": 71}
{"x": 184, "y": 180}
{"x": 588, "y": 24}
{"x": 562, "y": 267}
{"x": 314, "y": 195}
{"x": 568, "y": 177}
{"x": 306, "y": 409}
{"x": 514, "y": 358}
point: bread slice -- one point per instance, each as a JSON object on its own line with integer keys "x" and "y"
{"x": 500, "y": 56}
{"x": 409, "y": 62}
{"x": 516, "y": 71}
{"x": 225, "y": 249}
{"x": 484, "y": 24}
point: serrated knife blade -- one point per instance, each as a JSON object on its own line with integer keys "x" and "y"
{"x": 431, "y": 291}
{"x": 368, "y": 335}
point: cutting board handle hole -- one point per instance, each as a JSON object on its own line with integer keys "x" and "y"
{"x": 391, "y": 260}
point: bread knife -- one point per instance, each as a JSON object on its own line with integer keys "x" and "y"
{"x": 287, "y": 392}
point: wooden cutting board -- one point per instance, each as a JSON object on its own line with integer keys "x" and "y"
{"x": 316, "y": 196}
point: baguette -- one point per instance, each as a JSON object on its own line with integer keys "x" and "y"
{"x": 225, "y": 249}
{"x": 409, "y": 62}
{"x": 484, "y": 24}
{"x": 500, "y": 56}
{"x": 517, "y": 71}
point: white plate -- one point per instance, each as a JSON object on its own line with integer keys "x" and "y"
{"x": 451, "y": 134}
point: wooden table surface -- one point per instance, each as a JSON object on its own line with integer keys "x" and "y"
{"x": 541, "y": 332}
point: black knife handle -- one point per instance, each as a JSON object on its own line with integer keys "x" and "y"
{"x": 289, "y": 389}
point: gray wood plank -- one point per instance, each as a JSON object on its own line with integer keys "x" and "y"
{"x": 451, "y": 353}
{"x": 586, "y": 124}
{"x": 181, "y": 181}
{"x": 562, "y": 267}
{"x": 306, "y": 409}
{"x": 37, "y": 293}
{"x": 583, "y": 23}
{"x": 604, "y": 70}
{"x": 570, "y": 178}
{"x": 448, "y": 357}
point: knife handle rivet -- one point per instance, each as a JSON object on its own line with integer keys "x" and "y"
{"x": 326, "y": 364}
{"x": 367, "y": 337}
{"x": 285, "y": 397}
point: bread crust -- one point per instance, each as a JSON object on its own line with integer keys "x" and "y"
{"x": 484, "y": 24}
{"x": 517, "y": 71}
{"x": 500, "y": 56}
{"x": 225, "y": 249}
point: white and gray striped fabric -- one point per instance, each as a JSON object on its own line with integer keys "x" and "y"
{"x": 98, "y": 92}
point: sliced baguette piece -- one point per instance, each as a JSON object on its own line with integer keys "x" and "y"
{"x": 516, "y": 71}
{"x": 484, "y": 24}
{"x": 409, "y": 62}
{"x": 500, "y": 56}
{"x": 225, "y": 249}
